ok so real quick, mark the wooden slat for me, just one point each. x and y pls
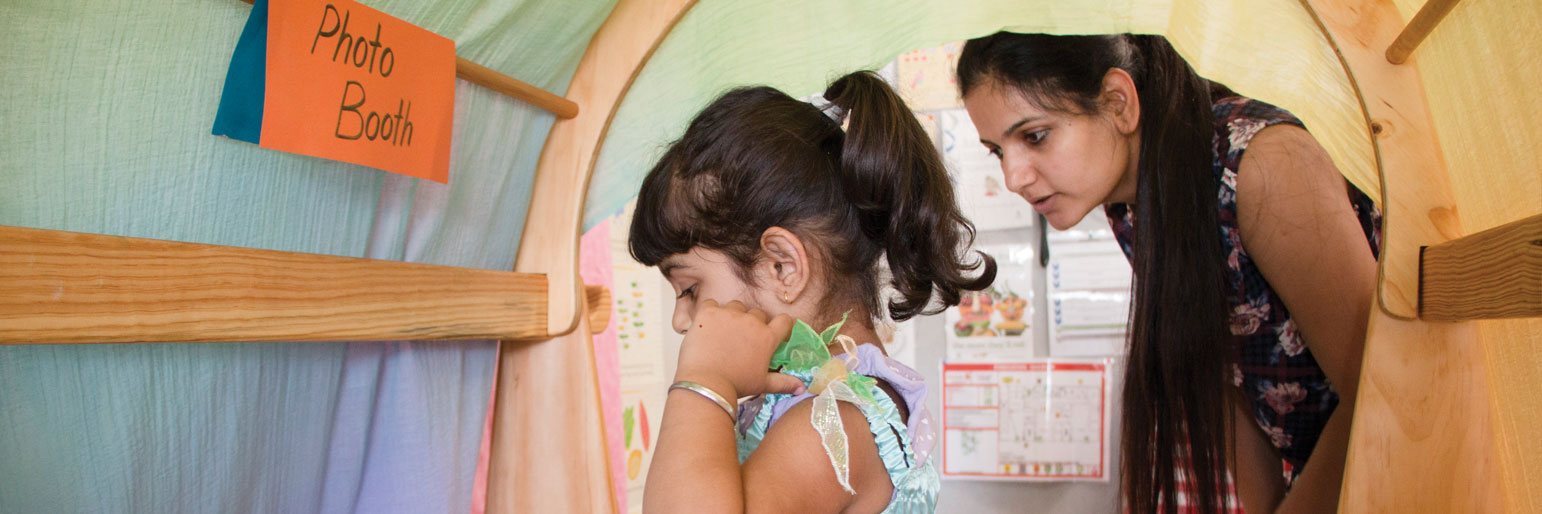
(510, 86)
(1496, 273)
(1423, 435)
(598, 307)
(1418, 28)
(548, 449)
(68, 287)
(612, 61)
(549, 452)
(1418, 209)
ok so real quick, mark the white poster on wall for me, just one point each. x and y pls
(981, 190)
(996, 324)
(899, 341)
(1089, 295)
(1031, 420)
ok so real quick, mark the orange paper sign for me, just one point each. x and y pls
(350, 83)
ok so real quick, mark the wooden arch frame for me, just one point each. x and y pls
(528, 472)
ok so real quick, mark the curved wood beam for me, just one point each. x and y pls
(548, 444)
(1423, 431)
(1416, 199)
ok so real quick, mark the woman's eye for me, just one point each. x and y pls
(995, 152)
(1036, 136)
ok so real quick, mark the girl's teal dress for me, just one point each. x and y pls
(906, 448)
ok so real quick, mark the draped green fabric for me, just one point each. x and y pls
(106, 108)
(1269, 49)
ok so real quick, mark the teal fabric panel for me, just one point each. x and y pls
(107, 107)
(240, 112)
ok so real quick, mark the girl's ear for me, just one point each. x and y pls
(784, 266)
(1120, 100)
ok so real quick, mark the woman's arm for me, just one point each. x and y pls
(1298, 226)
(696, 468)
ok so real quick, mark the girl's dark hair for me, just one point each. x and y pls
(756, 158)
(1175, 405)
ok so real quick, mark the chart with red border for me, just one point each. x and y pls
(1029, 420)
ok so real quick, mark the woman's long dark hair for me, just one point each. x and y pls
(1175, 409)
(756, 158)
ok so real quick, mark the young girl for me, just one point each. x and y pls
(1254, 260)
(766, 211)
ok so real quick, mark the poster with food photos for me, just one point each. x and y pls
(996, 323)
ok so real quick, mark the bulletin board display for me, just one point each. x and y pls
(1037, 420)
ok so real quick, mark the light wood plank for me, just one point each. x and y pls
(1496, 273)
(548, 447)
(1417, 203)
(598, 307)
(548, 451)
(1423, 436)
(69, 287)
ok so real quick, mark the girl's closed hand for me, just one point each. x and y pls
(729, 350)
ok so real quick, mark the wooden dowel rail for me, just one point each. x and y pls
(69, 287)
(520, 90)
(1418, 28)
(512, 87)
(1496, 273)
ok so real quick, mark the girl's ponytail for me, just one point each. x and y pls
(902, 198)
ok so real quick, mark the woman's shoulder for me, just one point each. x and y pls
(1236, 108)
(1238, 119)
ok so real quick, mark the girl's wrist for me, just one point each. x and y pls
(712, 381)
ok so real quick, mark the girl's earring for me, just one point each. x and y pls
(784, 297)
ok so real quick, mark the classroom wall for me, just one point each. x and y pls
(976, 496)
(960, 496)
